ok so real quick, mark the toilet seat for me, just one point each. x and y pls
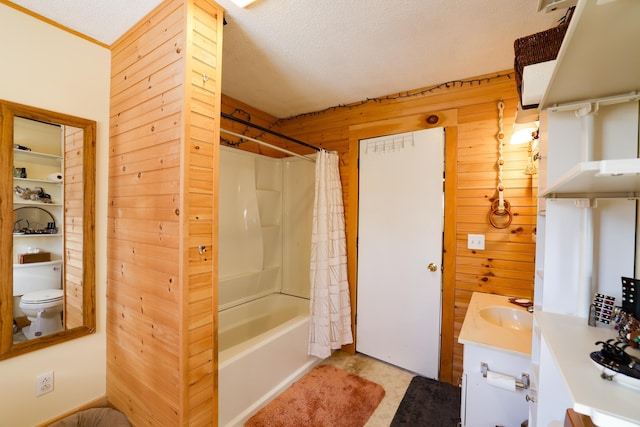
(46, 298)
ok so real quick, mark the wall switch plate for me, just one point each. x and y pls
(44, 383)
(475, 241)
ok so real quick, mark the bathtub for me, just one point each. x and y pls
(262, 348)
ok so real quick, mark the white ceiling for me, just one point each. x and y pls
(288, 57)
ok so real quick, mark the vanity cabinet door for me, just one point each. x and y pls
(486, 405)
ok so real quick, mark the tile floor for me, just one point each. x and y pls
(394, 380)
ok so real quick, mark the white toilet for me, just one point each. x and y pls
(40, 285)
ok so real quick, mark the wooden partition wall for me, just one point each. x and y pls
(162, 220)
(73, 227)
(470, 107)
(162, 260)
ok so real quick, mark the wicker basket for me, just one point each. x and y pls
(538, 47)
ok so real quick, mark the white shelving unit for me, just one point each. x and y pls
(598, 179)
(587, 224)
(42, 159)
(597, 57)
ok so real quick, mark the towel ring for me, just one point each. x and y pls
(500, 218)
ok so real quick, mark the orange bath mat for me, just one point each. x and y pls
(326, 396)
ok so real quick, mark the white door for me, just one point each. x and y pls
(400, 229)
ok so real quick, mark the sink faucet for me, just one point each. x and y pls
(522, 302)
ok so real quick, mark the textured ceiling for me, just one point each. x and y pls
(288, 57)
(102, 20)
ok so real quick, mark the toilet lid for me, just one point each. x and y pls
(44, 296)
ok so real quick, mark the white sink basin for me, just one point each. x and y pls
(508, 317)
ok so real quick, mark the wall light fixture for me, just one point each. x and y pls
(525, 131)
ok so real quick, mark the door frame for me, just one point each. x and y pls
(448, 119)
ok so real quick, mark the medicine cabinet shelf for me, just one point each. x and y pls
(19, 152)
(31, 236)
(599, 179)
(39, 204)
(37, 181)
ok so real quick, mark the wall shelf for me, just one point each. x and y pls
(19, 152)
(30, 203)
(37, 181)
(598, 179)
(36, 235)
(591, 153)
(551, 5)
(608, 31)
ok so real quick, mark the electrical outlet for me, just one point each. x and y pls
(44, 383)
(475, 241)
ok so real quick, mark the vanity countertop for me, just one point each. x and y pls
(570, 341)
(482, 327)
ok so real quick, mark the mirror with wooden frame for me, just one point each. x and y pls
(47, 217)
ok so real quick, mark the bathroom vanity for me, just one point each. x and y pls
(497, 346)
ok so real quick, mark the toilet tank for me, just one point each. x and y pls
(36, 276)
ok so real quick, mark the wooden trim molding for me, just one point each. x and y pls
(54, 23)
(449, 256)
(573, 419)
(101, 402)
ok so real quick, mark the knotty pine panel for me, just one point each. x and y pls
(478, 205)
(161, 284)
(139, 115)
(73, 227)
(205, 22)
(437, 99)
(136, 395)
(141, 229)
(163, 129)
(247, 113)
(162, 291)
(144, 39)
(475, 197)
(471, 167)
(488, 269)
(153, 86)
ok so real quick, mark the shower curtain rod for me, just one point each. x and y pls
(255, 126)
(291, 153)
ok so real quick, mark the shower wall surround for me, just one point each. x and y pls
(265, 216)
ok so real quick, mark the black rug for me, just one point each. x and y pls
(428, 403)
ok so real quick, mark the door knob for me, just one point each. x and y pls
(432, 267)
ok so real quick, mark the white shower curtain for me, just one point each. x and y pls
(330, 303)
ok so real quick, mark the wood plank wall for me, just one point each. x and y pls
(507, 265)
(248, 113)
(202, 153)
(161, 292)
(73, 227)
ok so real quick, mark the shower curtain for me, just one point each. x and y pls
(330, 326)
